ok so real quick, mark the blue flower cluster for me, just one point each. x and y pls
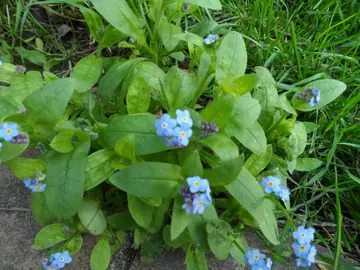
(303, 249)
(57, 261)
(175, 132)
(197, 195)
(211, 38)
(311, 95)
(257, 260)
(271, 184)
(33, 184)
(9, 132)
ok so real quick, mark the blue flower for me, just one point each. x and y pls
(38, 188)
(302, 262)
(304, 236)
(171, 141)
(283, 193)
(301, 250)
(188, 205)
(270, 184)
(183, 118)
(164, 125)
(254, 256)
(8, 131)
(260, 265)
(183, 133)
(196, 184)
(314, 101)
(28, 182)
(269, 263)
(61, 258)
(312, 253)
(210, 39)
(200, 203)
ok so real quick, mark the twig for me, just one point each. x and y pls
(17, 209)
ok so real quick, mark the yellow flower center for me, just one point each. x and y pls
(271, 184)
(37, 187)
(256, 256)
(201, 203)
(197, 183)
(302, 247)
(164, 125)
(8, 131)
(169, 138)
(190, 204)
(182, 134)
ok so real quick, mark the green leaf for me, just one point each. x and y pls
(219, 111)
(231, 58)
(25, 167)
(122, 221)
(249, 193)
(285, 104)
(87, 72)
(223, 146)
(212, 4)
(142, 126)
(74, 244)
(8, 107)
(329, 90)
(310, 127)
(226, 173)
(296, 143)
(267, 96)
(111, 36)
(46, 105)
(192, 165)
(149, 179)
(353, 177)
(125, 147)
(167, 32)
(120, 15)
(101, 255)
(25, 85)
(256, 163)
(39, 210)
(182, 240)
(152, 201)
(151, 248)
(307, 164)
(159, 216)
(180, 219)
(11, 150)
(219, 238)
(92, 217)
(63, 142)
(50, 236)
(236, 253)
(98, 167)
(94, 22)
(141, 212)
(241, 85)
(33, 56)
(179, 88)
(65, 181)
(191, 38)
(195, 259)
(253, 138)
(138, 96)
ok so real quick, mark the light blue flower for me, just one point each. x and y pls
(164, 125)
(183, 118)
(269, 263)
(171, 141)
(301, 250)
(304, 236)
(208, 194)
(312, 253)
(260, 265)
(302, 262)
(183, 133)
(254, 256)
(209, 39)
(283, 193)
(315, 99)
(270, 184)
(28, 182)
(8, 131)
(38, 188)
(1, 145)
(61, 258)
(200, 203)
(196, 184)
(188, 205)
(132, 39)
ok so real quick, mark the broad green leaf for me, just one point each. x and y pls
(142, 126)
(25, 85)
(285, 104)
(231, 58)
(212, 4)
(25, 167)
(222, 146)
(267, 96)
(256, 163)
(192, 165)
(11, 150)
(203, 28)
(92, 217)
(39, 210)
(74, 244)
(152, 201)
(296, 143)
(265, 76)
(141, 212)
(50, 236)
(33, 56)
(159, 216)
(94, 22)
(180, 219)
(307, 164)
(63, 142)
(219, 238)
(167, 32)
(151, 248)
(120, 15)
(7, 73)
(101, 255)
(226, 173)
(111, 36)
(125, 147)
(191, 38)
(219, 111)
(310, 127)
(241, 85)
(253, 138)
(329, 90)
(65, 181)
(236, 253)
(249, 193)
(122, 221)
(138, 96)
(149, 179)
(183, 240)
(98, 167)
(46, 105)
(87, 72)
(8, 107)
(140, 237)
(179, 88)
(195, 259)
